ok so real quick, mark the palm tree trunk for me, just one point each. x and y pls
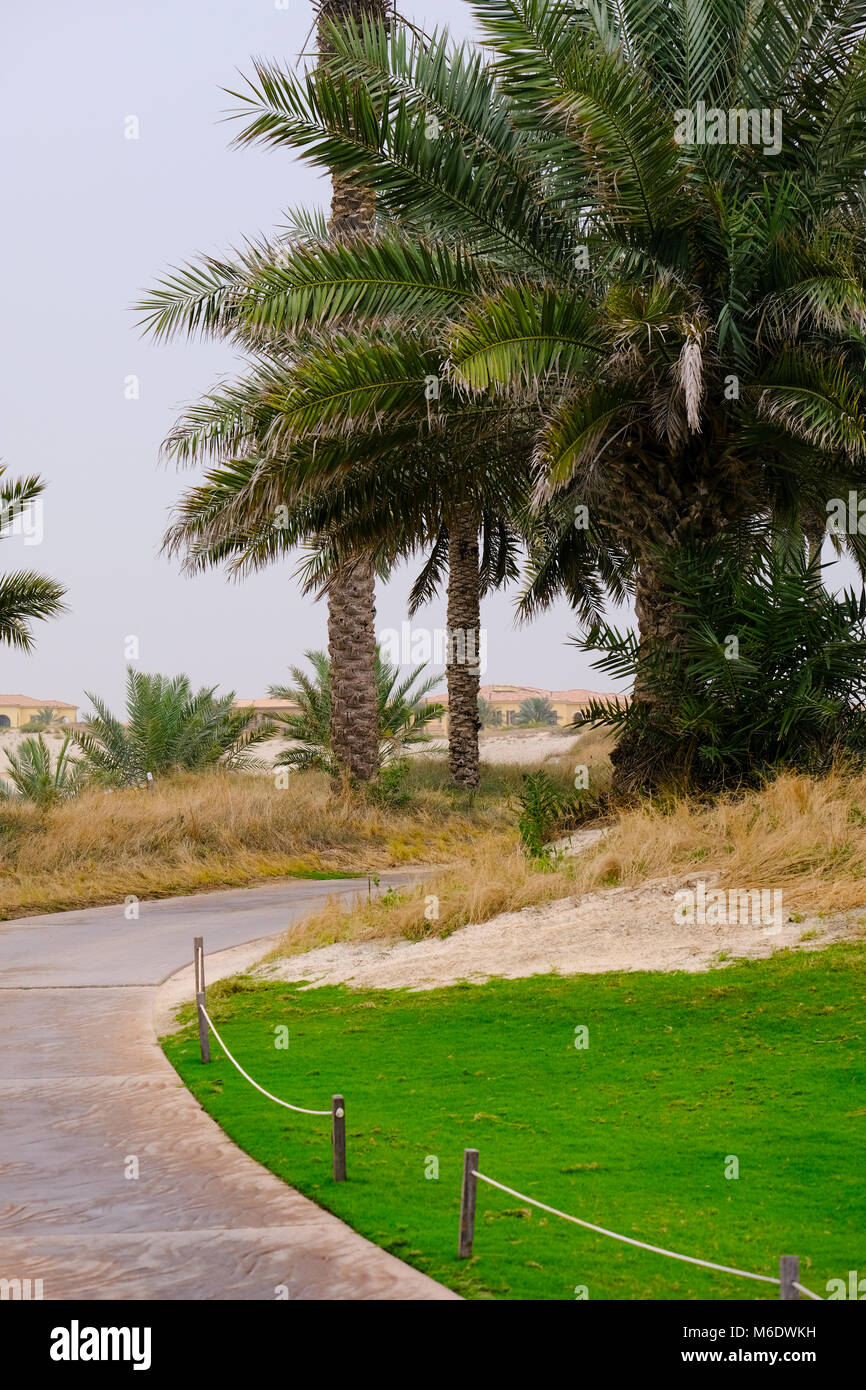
(641, 763)
(352, 649)
(464, 649)
(351, 595)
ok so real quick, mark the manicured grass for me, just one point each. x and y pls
(762, 1060)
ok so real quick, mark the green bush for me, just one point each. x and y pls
(404, 713)
(545, 809)
(169, 727)
(764, 669)
(392, 787)
(33, 777)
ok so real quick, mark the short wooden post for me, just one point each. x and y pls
(789, 1275)
(467, 1204)
(338, 1137)
(203, 1030)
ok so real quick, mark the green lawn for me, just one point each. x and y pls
(762, 1060)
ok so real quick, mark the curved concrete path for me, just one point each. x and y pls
(84, 1086)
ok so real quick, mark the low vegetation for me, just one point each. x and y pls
(169, 727)
(403, 710)
(631, 1132)
(36, 778)
(804, 835)
(217, 829)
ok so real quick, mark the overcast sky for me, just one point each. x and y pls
(91, 218)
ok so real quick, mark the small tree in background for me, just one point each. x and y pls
(34, 779)
(535, 710)
(169, 728)
(489, 714)
(404, 712)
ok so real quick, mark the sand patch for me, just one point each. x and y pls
(610, 930)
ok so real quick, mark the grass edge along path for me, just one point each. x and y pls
(685, 1079)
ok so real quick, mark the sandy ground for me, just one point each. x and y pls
(611, 930)
(10, 739)
(521, 747)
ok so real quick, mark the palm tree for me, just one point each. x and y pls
(535, 710)
(351, 588)
(33, 777)
(403, 712)
(489, 715)
(351, 594)
(698, 308)
(168, 728)
(792, 694)
(458, 492)
(25, 597)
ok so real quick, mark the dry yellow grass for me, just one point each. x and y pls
(218, 830)
(495, 877)
(804, 835)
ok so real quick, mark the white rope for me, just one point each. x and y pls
(656, 1249)
(276, 1099)
(808, 1292)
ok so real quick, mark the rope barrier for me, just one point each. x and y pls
(808, 1292)
(467, 1213)
(641, 1244)
(299, 1108)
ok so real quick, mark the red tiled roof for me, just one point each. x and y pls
(27, 702)
(516, 694)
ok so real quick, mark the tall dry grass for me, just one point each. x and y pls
(218, 829)
(804, 835)
(222, 830)
(494, 877)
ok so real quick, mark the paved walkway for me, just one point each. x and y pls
(84, 1086)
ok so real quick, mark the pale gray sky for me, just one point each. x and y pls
(90, 219)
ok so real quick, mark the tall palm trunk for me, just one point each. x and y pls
(638, 762)
(351, 595)
(683, 505)
(464, 649)
(352, 649)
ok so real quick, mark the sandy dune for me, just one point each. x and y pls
(611, 930)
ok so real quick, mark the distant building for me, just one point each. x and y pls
(509, 698)
(265, 709)
(18, 710)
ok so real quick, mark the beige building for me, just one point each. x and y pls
(508, 698)
(266, 708)
(18, 710)
(505, 698)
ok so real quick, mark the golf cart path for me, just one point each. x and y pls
(85, 1088)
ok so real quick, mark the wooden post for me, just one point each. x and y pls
(203, 1030)
(338, 1137)
(467, 1204)
(789, 1275)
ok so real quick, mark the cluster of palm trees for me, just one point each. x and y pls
(168, 728)
(536, 320)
